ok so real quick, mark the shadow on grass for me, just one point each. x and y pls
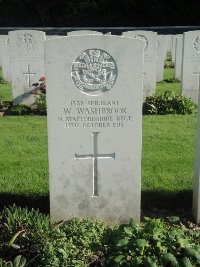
(161, 200)
(167, 200)
(162, 204)
(32, 201)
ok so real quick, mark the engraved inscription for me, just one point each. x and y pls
(95, 114)
(143, 38)
(95, 156)
(196, 43)
(94, 72)
(26, 42)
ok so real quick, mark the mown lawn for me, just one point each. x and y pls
(167, 158)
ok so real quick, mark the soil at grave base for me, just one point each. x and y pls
(184, 214)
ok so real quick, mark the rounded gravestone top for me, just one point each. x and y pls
(94, 72)
(143, 38)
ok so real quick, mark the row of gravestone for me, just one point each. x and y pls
(94, 103)
(22, 60)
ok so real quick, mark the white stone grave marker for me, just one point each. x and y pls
(191, 65)
(161, 55)
(196, 182)
(150, 54)
(94, 99)
(178, 57)
(6, 65)
(27, 63)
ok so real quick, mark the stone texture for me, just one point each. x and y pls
(191, 65)
(196, 182)
(2, 39)
(94, 99)
(150, 55)
(174, 37)
(6, 65)
(178, 57)
(161, 55)
(27, 63)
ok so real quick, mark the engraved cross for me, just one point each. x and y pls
(28, 73)
(95, 156)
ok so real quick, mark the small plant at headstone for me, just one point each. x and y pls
(169, 103)
(2, 81)
(28, 239)
(39, 92)
(19, 110)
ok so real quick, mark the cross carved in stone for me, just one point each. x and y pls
(95, 156)
(29, 73)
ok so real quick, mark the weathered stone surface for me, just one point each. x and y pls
(6, 67)
(94, 99)
(191, 65)
(27, 63)
(150, 55)
(178, 57)
(161, 55)
(196, 182)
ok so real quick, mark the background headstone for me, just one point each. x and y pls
(161, 55)
(27, 63)
(150, 54)
(178, 57)
(191, 65)
(2, 39)
(94, 102)
(5, 59)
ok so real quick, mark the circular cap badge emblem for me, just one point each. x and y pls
(94, 72)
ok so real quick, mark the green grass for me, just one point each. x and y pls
(23, 161)
(175, 87)
(167, 162)
(5, 90)
(167, 158)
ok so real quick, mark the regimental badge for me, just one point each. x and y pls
(26, 42)
(196, 43)
(94, 72)
(143, 38)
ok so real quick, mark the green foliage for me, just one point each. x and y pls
(169, 103)
(19, 110)
(28, 239)
(157, 243)
(39, 92)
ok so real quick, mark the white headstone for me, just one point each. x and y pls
(150, 53)
(2, 39)
(196, 182)
(191, 65)
(94, 126)
(168, 38)
(174, 37)
(161, 55)
(178, 57)
(83, 32)
(6, 67)
(27, 63)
